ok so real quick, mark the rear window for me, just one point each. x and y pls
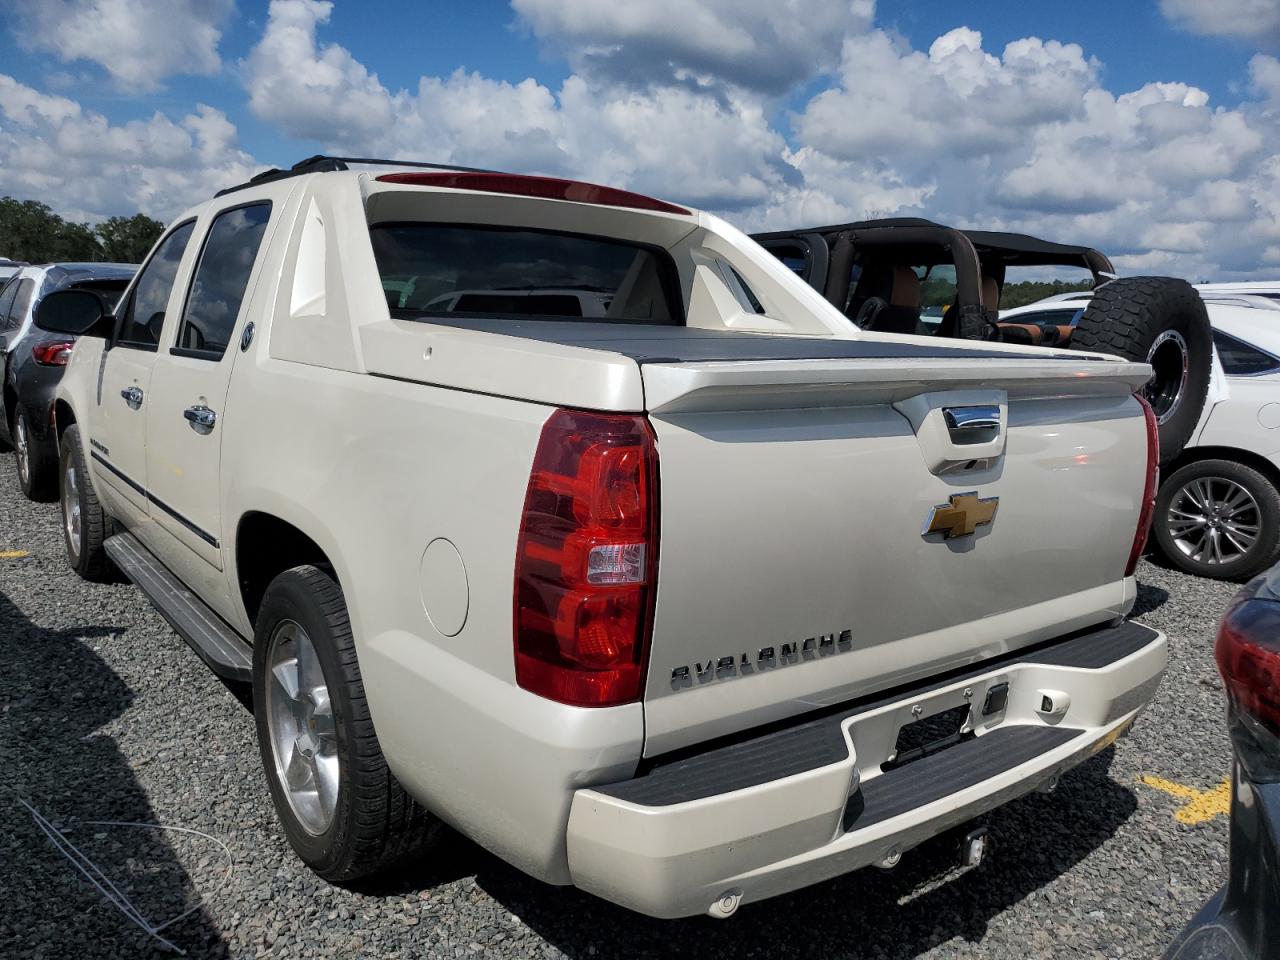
(431, 269)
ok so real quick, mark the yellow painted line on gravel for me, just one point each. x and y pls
(1201, 805)
(13, 554)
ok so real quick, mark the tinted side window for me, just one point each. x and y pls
(7, 293)
(1240, 359)
(144, 314)
(21, 304)
(221, 278)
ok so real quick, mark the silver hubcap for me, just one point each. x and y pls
(1214, 520)
(1170, 365)
(304, 741)
(71, 508)
(21, 445)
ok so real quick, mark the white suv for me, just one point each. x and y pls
(1218, 511)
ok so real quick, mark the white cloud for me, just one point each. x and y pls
(312, 91)
(1024, 138)
(138, 42)
(608, 131)
(87, 168)
(1256, 21)
(767, 45)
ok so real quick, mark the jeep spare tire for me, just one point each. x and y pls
(1161, 321)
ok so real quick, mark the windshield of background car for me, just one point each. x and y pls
(431, 269)
(1024, 285)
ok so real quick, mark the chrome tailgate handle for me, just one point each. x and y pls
(972, 418)
(976, 424)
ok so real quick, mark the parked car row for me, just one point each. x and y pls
(32, 360)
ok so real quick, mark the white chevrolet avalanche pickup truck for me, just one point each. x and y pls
(573, 519)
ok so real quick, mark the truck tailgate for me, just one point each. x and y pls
(796, 570)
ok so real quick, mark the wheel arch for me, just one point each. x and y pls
(1238, 455)
(10, 405)
(266, 545)
(63, 416)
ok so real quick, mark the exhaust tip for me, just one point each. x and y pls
(726, 905)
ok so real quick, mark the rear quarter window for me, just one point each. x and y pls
(431, 269)
(1240, 359)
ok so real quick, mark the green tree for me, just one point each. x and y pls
(31, 231)
(127, 239)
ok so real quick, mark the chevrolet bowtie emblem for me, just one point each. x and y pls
(962, 516)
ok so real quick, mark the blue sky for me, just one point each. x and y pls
(1147, 127)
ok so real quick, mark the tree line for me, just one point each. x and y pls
(30, 231)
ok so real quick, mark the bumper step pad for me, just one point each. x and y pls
(208, 635)
(942, 774)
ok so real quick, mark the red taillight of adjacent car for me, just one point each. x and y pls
(55, 353)
(587, 560)
(1248, 653)
(1149, 490)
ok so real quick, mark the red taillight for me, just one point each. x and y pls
(1248, 653)
(587, 560)
(1149, 491)
(55, 353)
(548, 188)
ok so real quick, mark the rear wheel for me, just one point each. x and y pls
(84, 525)
(1219, 519)
(1161, 321)
(342, 810)
(37, 461)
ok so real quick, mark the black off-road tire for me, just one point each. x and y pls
(376, 825)
(1128, 317)
(40, 482)
(86, 556)
(1266, 549)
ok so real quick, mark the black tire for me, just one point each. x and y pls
(1217, 476)
(38, 468)
(375, 825)
(85, 553)
(1131, 316)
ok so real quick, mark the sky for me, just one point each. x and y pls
(1149, 129)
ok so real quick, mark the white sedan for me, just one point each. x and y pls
(1218, 509)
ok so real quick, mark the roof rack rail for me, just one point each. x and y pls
(321, 163)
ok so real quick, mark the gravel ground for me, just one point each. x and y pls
(105, 715)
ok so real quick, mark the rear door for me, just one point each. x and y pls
(188, 388)
(118, 425)
(15, 303)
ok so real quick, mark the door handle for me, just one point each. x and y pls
(132, 396)
(200, 417)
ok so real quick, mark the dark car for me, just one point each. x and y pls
(31, 363)
(1242, 922)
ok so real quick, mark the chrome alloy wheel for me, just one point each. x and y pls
(71, 508)
(22, 445)
(1170, 361)
(304, 742)
(1214, 520)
